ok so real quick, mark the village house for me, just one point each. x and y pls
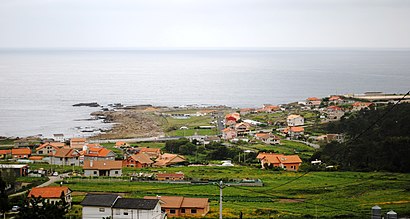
(205, 112)
(267, 108)
(18, 169)
(169, 159)
(210, 139)
(97, 153)
(52, 194)
(242, 128)
(294, 132)
(139, 160)
(357, 106)
(330, 137)
(228, 134)
(152, 153)
(267, 138)
(65, 157)
(295, 120)
(178, 206)
(5, 153)
(59, 137)
(77, 143)
(49, 147)
(121, 144)
(98, 205)
(287, 162)
(115, 207)
(313, 102)
(336, 100)
(18, 153)
(334, 113)
(170, 176)
(102, 168)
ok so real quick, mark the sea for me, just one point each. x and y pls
(39, 87)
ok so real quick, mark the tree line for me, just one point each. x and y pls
(383, 146)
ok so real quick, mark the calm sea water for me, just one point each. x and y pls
(39, 87)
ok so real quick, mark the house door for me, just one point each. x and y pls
(103, 173)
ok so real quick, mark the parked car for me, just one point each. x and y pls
(15, 208)
(55, 174)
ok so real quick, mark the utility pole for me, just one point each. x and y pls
(221, 186)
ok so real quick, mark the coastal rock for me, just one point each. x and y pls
(93, 104)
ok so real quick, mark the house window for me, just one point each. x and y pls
(116, 172)
(40, 152)
(61, 159)
(102, 209)
(125, 212)
(172, 211)
(193, 211)
(183, 210)
(95, 172)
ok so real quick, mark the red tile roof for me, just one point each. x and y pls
(55, 145)
(279, 158)
(313, 99)
(2, 152)
(102, 165)
(20, 151)
(97, 152)
(49, 191)
(78, 140)
(150, 150)
(36, 158)
(332, 98)
(334, 108)
(142, 158)
(66, 152)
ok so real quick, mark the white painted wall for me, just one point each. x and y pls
(94, 212)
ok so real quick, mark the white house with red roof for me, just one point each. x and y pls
(52, 194)
(228, 134)
(313, 102)
(295, 120)
(66, 157)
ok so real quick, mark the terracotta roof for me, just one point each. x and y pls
(66, 152)
(169, 159)
(102, 165)
(5, 151)
(271, 107)
(97, 152)
(194, 203)
(180, 202)
(247, 109)
(357, 104)
(297, 129)
(293, 116)
(36, 158)
(242, 124)
(24, 151)
(78, 140)
(150, 150)
(334, 108)
(279, 158)
(313, 99)
(332, 98)
(55, 145)
(120, 143)
(49, 191)
(142, 158)
(266, 136)
(228, 130)
(168, 201)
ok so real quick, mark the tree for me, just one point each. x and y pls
(4, 199)
(40, 208)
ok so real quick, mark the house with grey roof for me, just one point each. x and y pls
(116, 207)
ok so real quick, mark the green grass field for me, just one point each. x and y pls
(285, 194)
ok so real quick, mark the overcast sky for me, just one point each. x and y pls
(204, 23)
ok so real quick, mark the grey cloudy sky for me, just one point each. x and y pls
(204, 23)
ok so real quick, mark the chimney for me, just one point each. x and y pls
(158, 197)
